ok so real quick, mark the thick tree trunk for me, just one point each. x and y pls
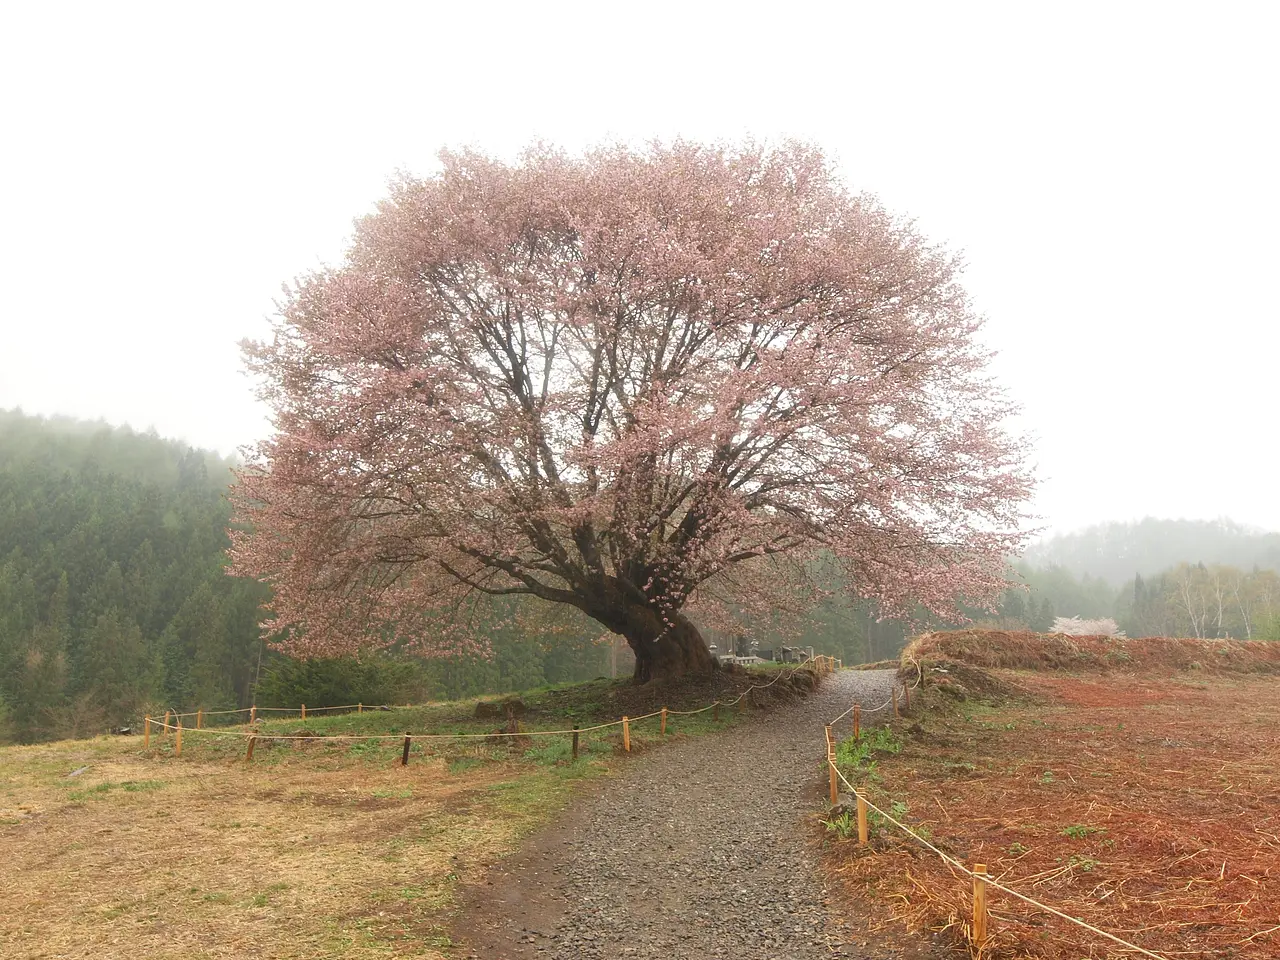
(663, 651)
(676, 652)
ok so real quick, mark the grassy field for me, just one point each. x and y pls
(315, 849)
(1144, 800)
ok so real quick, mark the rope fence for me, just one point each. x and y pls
(981, 881)
(172, 721)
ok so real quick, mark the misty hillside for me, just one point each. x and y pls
(114, 598)
(1116, 552)
(64, 444)
(112, 590)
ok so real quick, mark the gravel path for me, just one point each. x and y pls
(697, 850)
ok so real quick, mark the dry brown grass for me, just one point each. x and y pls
(1147, 804)
(1013, 650)
(305, 856)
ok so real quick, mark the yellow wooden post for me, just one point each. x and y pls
(831, 764)
(715, 711)
(146, 733)
(895, 701)
(200, 718)
(359, 708)
(626, 734)
(857, 720)
(979, 903)
(304, 711)
(166, 723)
(664, 721)
(862, 819)
(177, 744)
(249, 754)
(253, 714)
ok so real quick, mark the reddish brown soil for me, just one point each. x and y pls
(1146, 806)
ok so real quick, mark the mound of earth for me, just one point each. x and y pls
(1022, 650)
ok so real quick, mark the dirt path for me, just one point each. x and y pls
(697, 850)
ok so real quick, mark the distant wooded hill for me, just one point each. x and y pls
(114, 600)
(1117, 552)
(112, 592)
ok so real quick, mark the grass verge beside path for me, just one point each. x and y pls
(312, 850)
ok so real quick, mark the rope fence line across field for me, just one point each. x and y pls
(172, 721)
(978, 875)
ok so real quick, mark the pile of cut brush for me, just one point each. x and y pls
(1014, 650)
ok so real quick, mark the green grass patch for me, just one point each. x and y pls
(857, 754)
(1079, 831)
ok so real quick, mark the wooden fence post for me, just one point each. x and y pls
(664, 721)
(253, 714)
(177, 744)
(146, 733)
(626, 734)
(359, 708)
(862, 818)
(857, 720)
(895, 701)
(831, 764)
(575, 741)
(200, 719)
(249, 754)
(979, 903)
(404, 757)
(304, 711)
(165, 733)
(715, 712)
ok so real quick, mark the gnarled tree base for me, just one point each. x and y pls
(678, 651)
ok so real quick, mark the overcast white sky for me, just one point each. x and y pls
(1110, 172)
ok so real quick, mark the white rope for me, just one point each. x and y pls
(956, 864)
(451, 736)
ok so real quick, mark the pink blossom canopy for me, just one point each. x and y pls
(633, 382)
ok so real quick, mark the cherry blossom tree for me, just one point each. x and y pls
(653, 385)
(1081, 627)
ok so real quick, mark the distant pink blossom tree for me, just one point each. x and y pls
(1081, 627)
(646, 384)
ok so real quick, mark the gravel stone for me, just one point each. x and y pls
(695, 850)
